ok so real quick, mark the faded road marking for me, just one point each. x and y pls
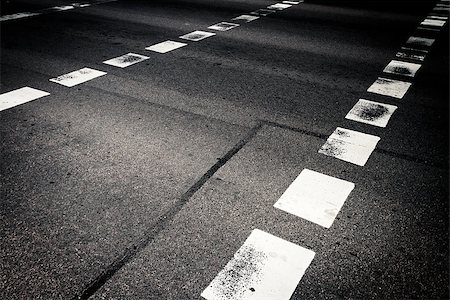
(265, 267)
(126, 60)
(420, 41)
(292, 2)
(412, 54)
(279, 6)
(197, 35)
(350, 146)
(77, 77)
(370, 112)
(246, 18)
(315, 197)
(262, 12)
(223, 26)
(402, 68)
(389, 87)
(20, 96)
(166, 46)
(432, 22)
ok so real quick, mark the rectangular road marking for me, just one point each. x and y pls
(20, 96)
(197, 35)
(166, 46)
(246, 18)
(389, 87)
(292, 2)
(279, 6)
(402, 68)
(77, 77)
(432, 22)
(18, 16)
(420, 41)
(350, 146)
(223, 26)
(265, 267)
(410, 54)
(315, 197)
(370, 112)
(437, 17)
(262, 12)
(126, 60)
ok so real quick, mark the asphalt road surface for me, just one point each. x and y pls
(173, 177)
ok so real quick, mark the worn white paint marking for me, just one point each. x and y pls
(389, 87)
(18, 16)
(223, 26)
(432, 22)
(197, 35)
(423, 51)
(315, 197)
(350, 146)
(370, 112)
(292, 2)
(262, 12)
(410, 54)
(77, 77)
(428, 29)
(246, 18)
(20, 96)
(444, 18)
(126, 60)
(166, 46)
(279, 6)
(266, 267)
(402, 68)
(420, 41)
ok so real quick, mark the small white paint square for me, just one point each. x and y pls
(20, 96)
(126, 60)
(77, 77)
(420, 41)
(370, 112)
(389, 87)
(166, 46)
(223, 26)
(265, 267)
(402, 68)
(279, 6)
(350, 146)
(246, 18)
(197, 35)
(262, 12)
(432, 22)
(315, 197)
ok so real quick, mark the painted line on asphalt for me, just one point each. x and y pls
(315, 197)
(279, 6)
(223, 26)
(262, 12)
(420, 41)
(411, 54)
(246, 18)
(264, 267)
(371, 112)
(389, 87)
(166, 46)
(402, 68)
(126, 60)
(20, 96)
(433, 22)
(292, 2)
(76, 77)
(350, 146)
(197, 35)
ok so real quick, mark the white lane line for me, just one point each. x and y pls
(77, 77)
(350, 146)
(20, 96)
(408, 53)
(223, 26)
(389, 87)
(428, 28)
(18, 16)
(166, 46)
(246, 18)
(420, 41)
(402, 68)
(266, 267)
(433, 22)
(126, 60)
(197, 35)
(279, 6)
(315, 197)
(444, 18)
(262, 12)
(370, 112)
(292, 2)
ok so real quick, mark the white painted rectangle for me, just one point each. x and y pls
(432, 22)
(402, 68)
(126, 60)
(350, 146)
(197, 35)
(77, 77)
(246, 18)
(370, 112)
(420, 41)
(315, 197)
(437, 17)
(389, 87)
(279, 6)
(262, 12)
(223, 26)
(20, 96)
(166, 46)
(266, 267)
(410, 55)
(292, 2)
(18, 16)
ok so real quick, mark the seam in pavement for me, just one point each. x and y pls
(164, 220)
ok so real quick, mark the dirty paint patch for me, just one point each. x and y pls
(20, 96)
(389, 87)
(350, 146)
(432, 22)
(420, 41)
(197, 35)
(265, 267)
(262, 12)
(412, 54)
(77, 77)
(223, 26)
(402, 68)
(370, 112)
(315, 197)
(279, 6)
(166, 46)
(18, 16)
(126, 60)
(292, 2)
(246, 18)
